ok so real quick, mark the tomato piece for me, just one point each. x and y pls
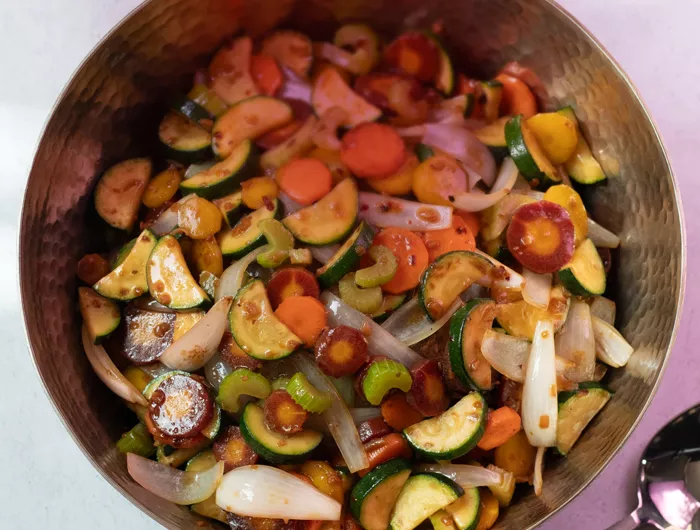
(340, 351)
(92, 268)
(373, 428)
(234, 355)
(383, 449)
(415, 54)
(180, 406)
(282, 414)
(231, 448)
(541, 237)
(291, 281)
(428, 394)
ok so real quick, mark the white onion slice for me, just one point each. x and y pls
(476, 202)
(196, 347)
(604, 308)
(537, 288)
(289, 204)
(410, 324)
(216, 370)
(383, 211)
(610, 346)
(379, 341)
(269, 492)
(345, 386)
(232, 278)
(156, 369)
(602, 237)
(108, 373)
(174, 485)
(167, 221)
(325, 253)
(464, 475)
(338, 418)
(510, 280)
(365, 413)
(294, 87)
(575, 342)
(539, 470)
(539, 409)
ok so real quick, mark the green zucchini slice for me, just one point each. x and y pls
(493, 92)
(255, 327)
(231, 207)
(100, 315)
(169, 280)
(421, 496)
(467, 328)
(584, 275)
(347, 256)
(129, 280)
(119, 191)
(423, 152)
(373, 497)
(246, 235)
(453, 433)
(462, 514)
(226, 176)
(272, 446)
(532, 163)
(493, 136)
(448, 276)
(582, 166)
(390, 303)
(184, 140)
(445, 78)
(576, 410)
(329, 220)
(192, 110)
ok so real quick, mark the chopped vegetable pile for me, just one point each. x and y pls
(355, 288)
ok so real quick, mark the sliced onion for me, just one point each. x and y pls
(346, 389)
(216, 370)
(539, 470)
(155, 369)
(383, 211)
(610, 346)
(510, 279)
(464, 475)
(537, 288)
(338, 418)
(167, 221)
(325, 133)
(289, 204)
(108, 373)
(269, 492)
(174, 485)
(604, 308)
(448, 111)
(365, 413)
(196, 347)
(325, 253)
(379, 340)
(410, 324)
(232, 278)
(521, 185)
(539, 408)
(358, 62)
(575, 342)
(602, 237)
(294, 87)
(475, 201)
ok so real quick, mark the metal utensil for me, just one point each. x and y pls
(669, 477)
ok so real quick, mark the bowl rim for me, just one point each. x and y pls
(563, 12)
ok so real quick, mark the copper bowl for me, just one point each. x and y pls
(110, 109)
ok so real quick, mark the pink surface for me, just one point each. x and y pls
(655, 41)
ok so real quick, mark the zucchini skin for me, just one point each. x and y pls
(458, 324)
(366, 484)
(347, 256)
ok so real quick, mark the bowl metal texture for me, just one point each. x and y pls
(110, 111)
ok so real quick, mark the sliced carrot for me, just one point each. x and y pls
(373, 151)
(501, 426)
(471, 219)
(384, 449)
(398, 413)
(411, 258)
(305, 316)
(517, 97)
(266, 74)
(457, 237)
(305, 180)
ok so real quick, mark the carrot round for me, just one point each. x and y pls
(517, 97)
(384, 449)
(457, 237)
(266, 74)
(398, 413)
(502, 424)
(305, 316)
(471, 219)
(373, 151)
(305, 180)
(411, 258)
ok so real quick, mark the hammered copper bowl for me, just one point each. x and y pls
(110, 111)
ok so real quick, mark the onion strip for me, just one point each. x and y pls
(464, 475)
(382, 211)
(232, 278)
(611, 347)
(537, 481)
(410, 324)
(216, 370)
(473, 201)
(510, 279)
(538, 288)
(294, 87)
(602, 237)
(575, 342)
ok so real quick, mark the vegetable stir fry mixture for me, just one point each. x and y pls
(355, 288)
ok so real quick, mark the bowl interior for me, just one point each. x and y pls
(110, 111)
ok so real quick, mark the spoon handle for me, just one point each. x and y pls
(630, 522)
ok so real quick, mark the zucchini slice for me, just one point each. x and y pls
(422, 495)
(128, 280)
(495, 220)
(247, 120)
(493, 136)
(453, 433)
(448, 276)
(493, 92)
(528, 155)
(584, 275)
(246, 234)
(462, 514)
(231, 207)
(423, 152)
(520, 318)
(192, 110)
(445, 78)
(272, 446)
(226, 176)
(169, 280)
(100, 315)
(119, 191)
(582, 166)
(373, 497)
(255, 327)
(208, 508)
(390, 303)
(576, 410)
(184, 140)
(467, 328)
(291, 49)
(347, 256)
(230, 71)
(207, 99)
(329, 220)
(330, 90)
